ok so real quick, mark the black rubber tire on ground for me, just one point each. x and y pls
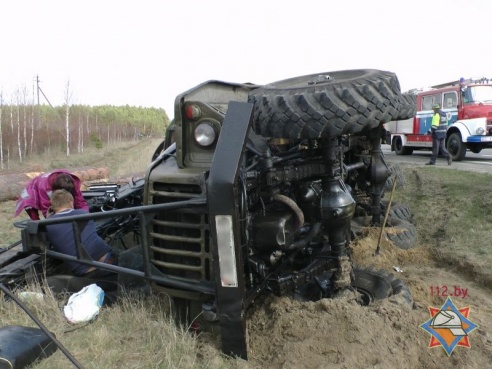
(456, 147)
(400, 291)
(395, 172)
(397, 211)
(326, 105)
(399, 148)
(401, 233)
(377, 285)
(373, 285)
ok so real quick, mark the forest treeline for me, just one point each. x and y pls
(31, 129)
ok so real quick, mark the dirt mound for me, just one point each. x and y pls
(340, 333)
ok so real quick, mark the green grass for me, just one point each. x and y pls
(452, 210)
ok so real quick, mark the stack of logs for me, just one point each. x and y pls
(12, 184)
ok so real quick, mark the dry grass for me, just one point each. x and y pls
(135, 333)
(8, 233)
(120, 158)
(452, 211)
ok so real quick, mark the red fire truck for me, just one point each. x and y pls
(468, 106)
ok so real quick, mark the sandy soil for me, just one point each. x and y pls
(340, 333)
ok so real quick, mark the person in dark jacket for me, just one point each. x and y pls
(62, 239)
(439, 126)
(36, 196)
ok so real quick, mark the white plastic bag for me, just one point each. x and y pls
(84, 305)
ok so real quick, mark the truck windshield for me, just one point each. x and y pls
(478, 94)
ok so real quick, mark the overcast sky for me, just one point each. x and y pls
(144, 53)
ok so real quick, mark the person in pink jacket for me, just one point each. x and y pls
(36, 196)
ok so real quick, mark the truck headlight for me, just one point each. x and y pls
(205, 133)
(480, 131)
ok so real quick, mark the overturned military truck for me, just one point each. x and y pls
(254, 191)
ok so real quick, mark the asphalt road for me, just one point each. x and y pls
(473, 162)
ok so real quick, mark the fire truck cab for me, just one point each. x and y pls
(468, 105)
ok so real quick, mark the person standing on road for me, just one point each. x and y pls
(439, 126)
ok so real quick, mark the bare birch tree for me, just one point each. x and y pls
(31, 143)
(24, 117)
(19, 146)
(80, 132)
(10, 148)
(68, 100)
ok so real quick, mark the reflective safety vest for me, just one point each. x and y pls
(439, 123)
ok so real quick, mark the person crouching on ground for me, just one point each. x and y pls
(35, 197)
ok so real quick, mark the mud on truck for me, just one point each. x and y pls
(256, 190)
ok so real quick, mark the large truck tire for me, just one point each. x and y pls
(326, 105)
(456, 147)
(401, 233)
(374, 285)
(397, 211)
(399, 148)
(395, 173)
(408, 106)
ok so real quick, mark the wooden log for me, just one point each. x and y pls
(12, 184)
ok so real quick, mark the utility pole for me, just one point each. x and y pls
(37, 87)
(38, 112)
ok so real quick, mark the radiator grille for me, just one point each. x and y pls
(180, 238)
